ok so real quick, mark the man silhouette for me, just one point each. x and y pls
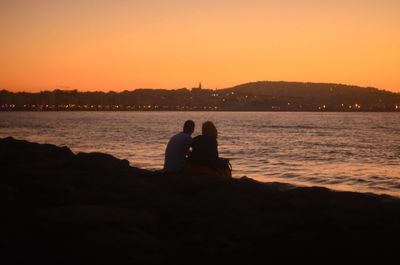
(178, 147)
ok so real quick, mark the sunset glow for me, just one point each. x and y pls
(118, 45)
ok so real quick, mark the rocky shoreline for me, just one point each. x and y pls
(92, 208)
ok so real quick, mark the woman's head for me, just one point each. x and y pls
(209, 129)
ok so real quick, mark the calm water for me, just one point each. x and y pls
(345, 151)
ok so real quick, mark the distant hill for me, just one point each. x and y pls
(300, 89)
(315, 95)
(255, 96)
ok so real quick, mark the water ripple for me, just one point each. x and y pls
(347, 151)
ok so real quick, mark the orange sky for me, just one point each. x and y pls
(117, 45)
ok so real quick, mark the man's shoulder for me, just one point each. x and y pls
(204, 139)
(198, 137)
(182, 136)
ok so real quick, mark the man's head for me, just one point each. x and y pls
(188, 127)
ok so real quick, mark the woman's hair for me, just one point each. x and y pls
(209, 129)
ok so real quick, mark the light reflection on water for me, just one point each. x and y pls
(348, 151)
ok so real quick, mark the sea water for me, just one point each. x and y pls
(343, 151)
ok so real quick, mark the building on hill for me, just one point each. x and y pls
(197, 89)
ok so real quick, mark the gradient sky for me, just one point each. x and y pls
(121, 44)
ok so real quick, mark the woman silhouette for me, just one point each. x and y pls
(204, 157)
(205, 146)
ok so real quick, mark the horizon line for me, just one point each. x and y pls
(67, 88)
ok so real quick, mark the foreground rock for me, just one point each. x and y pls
(62, 208)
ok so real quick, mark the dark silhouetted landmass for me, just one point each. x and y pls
(91, 208)
(256, 96)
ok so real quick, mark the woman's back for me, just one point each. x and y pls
(204, 150)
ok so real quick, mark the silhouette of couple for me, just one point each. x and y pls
(198, 155)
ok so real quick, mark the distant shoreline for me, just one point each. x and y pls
(233, 110)
(254, 96)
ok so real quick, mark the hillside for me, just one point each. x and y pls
(311, 96)
(261, 96)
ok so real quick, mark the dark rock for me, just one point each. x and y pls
(99, 161)
(62, 208)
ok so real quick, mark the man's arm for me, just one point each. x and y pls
(189, 147)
